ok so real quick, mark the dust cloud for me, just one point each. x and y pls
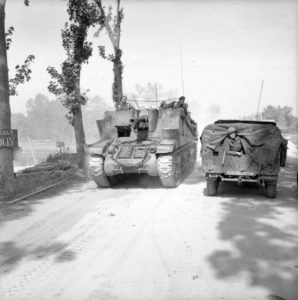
(204, 114)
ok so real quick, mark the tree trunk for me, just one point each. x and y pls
(6, 155)
(79, 127)
(117, 85)
(79, 136)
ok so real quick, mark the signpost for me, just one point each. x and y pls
(60, 145)
(9, 138)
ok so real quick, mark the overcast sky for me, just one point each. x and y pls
(228, 48)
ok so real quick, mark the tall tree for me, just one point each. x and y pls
(82, 15)
(113, 28)
(6, 155)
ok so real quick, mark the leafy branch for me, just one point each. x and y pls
(113, 29)
(23, 74)
(66, 83)
(112, 24)
(8, 36)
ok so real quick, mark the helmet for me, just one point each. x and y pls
(231, 130)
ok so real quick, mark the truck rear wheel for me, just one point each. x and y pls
(212, 185)
(96, 170)
(271, 189)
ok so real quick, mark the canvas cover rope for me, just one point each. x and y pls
(261, 141)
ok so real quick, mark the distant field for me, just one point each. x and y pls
(37, 151)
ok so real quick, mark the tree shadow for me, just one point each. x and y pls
(11, 254)
(144, 181)
(263, 234)
(245, 190)
(23, 208)
(138, 181)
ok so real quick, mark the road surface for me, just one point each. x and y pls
(140, 241)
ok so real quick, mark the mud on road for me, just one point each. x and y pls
(140, 241)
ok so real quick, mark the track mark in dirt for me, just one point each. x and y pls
(41, 275)
(46, 271)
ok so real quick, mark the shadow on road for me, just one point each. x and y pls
(25, 207)
(21, 209)
(11, 254)
(264, 235)
(138, 181)
(143, 181)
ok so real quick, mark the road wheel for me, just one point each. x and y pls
(212, 185)
(96, 170)
(271, 189)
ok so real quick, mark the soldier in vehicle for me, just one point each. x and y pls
(124, 105)
(176, 104)
(232, 144)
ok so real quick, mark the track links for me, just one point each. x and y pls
(166, 168)
(170, 172)
(96, 170)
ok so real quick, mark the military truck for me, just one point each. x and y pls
(264, 151)
(158, 142)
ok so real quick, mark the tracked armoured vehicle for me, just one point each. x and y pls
(263, 152)
(158, 142)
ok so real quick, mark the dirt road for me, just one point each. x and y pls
(139, 241)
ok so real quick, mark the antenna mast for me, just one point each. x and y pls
(181, 69)
(260, 99)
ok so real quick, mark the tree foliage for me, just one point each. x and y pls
(83, 14)
(283, 115)
(8, 36)
(45, 119)
(277, 113)
(20, 122)
(23, 74)
(112, 24)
